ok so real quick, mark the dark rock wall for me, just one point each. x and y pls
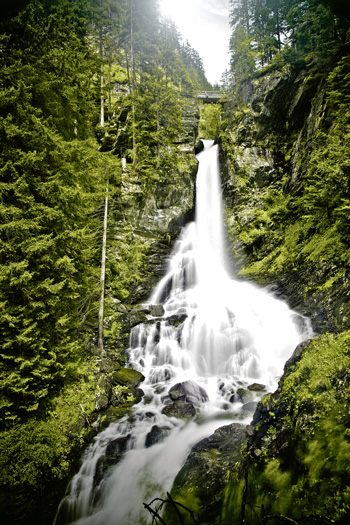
(273, 125)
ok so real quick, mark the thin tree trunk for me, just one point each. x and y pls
(102, 279)
(109, 88)
(102, 115)
(128, 70)
(132, 81)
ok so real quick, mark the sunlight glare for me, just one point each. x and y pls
(177, 9)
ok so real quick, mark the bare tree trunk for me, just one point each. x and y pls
(102, 279)
(102, 115)
(132, 82)
(109, 88)
(128, 70)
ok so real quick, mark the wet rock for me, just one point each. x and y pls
(199, 146)
(156, 310)
(138, 394)
(250, 407)
(204, 474)
(256, 387)
(188, 391)
(166, 400)
(156, 435)
(126, 377)
(116, 448)
(114, 453)
(138, 316)
(295, 357)
(244, 395)
(180, 409)
(176, 320)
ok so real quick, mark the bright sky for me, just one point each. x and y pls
(205, 24)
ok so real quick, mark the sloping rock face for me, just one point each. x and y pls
(268, 159)
(294, 466)
(200, 484)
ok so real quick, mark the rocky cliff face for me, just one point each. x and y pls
(269, 156)
(143, 224)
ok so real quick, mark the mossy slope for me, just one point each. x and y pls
(296, 463)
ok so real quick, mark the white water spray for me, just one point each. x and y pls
(217, 336)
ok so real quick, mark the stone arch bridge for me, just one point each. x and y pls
(209, 97)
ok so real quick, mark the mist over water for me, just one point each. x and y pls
(217, 335)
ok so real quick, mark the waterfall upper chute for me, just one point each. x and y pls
(231, 327)
(216, 337)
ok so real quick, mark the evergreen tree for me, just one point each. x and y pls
(243, 55)
(194, 66)
(306, 31)
(46, 195)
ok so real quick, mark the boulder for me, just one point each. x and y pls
(138, 316)
(126, 377)
(244, 395)
(114, 453)
(188, 391)
(250, 407)
(203, 478)
(296, 356)
(176, 320)
(180, 409)
(256, 387)
(156, 435)
(156, 310)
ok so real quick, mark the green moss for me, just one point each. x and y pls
(298, 465)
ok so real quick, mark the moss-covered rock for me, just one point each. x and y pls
(296, 460)
(126, 377)
(200, 484)
(181, 409)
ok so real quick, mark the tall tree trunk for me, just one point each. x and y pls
(109, 88)
(102, 279)
(132, 81)
(102, 114)
(128, 70)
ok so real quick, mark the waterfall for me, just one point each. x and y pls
(218, 336)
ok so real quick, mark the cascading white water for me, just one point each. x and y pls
(216, 337)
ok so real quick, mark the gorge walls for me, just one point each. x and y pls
(286, 184)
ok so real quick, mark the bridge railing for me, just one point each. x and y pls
(209, 93)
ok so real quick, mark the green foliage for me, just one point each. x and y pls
(242, 53)
(127, 265)
(210, 121)
(52, 181)
(194, 66)
(284, 31)
(47, 196)
(36, 456)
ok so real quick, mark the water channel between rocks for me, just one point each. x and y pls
(217, 345)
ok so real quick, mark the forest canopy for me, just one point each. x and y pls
(70, 73)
